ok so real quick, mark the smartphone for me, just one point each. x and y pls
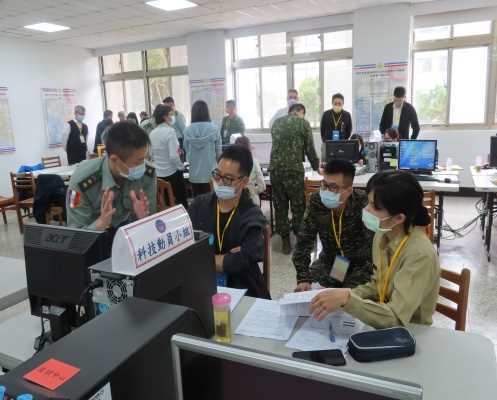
(328, 357)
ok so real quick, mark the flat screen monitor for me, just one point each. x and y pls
(208, 370)
(493, 152)
(346, 150)
(418, 155)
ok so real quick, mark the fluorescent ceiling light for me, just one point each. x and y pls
(171, 5)
(47, 27)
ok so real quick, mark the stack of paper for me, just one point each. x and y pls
(298, 304)
(236, 295)
(315, 335)
(265, 320)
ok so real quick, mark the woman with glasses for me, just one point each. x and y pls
(404, 288)
(235, 222)
(335, 215)
(202, 144)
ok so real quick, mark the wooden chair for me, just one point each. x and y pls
(310, 187)
(6, 203)
(51, 162)
(25, 183)
(100, 150)
(162, 188)
(429, 199)
(266, 262)
(459, 297)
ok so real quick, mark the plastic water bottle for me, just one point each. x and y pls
(222, 317)
(2, 392)
(25, 397)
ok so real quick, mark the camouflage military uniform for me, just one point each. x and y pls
(88, 182)
(148, 125)
(356, 243)
(292, 141)
(230, 126)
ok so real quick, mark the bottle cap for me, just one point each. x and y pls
(25, 397)
(221, 299)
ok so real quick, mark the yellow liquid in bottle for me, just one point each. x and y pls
(222, 323)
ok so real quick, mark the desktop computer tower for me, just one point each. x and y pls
(372, 154)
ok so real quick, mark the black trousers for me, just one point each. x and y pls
(200, 188)
(178, 184)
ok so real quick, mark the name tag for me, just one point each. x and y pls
(335, 135)
(82, 138)
(340, 268)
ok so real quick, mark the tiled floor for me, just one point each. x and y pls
(455, 254)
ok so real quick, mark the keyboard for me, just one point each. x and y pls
(426, 178)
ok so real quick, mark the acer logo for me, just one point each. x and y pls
(56, 238)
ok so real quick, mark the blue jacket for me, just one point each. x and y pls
(202, 144)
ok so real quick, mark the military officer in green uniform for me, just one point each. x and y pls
(106, 193)
(292, 141)
(232, 123)
(335, 215)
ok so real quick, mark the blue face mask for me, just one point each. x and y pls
(330, 199)
(224, 192)
(80, 118)
(135, 173)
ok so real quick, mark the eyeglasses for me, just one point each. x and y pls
(226, 180)
(332, 187)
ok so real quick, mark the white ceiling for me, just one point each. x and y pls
(104, 23)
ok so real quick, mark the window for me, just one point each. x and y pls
(248, 95)
(132, 85)
(264, 67)
(468, 89)
(451, 77)
(306, 78)
(430, 86)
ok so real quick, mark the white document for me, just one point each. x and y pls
(298, 304)
(316, 335)
(265, 320)
(236, 295)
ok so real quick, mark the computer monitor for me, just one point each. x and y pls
(346, 150)
(493, 152)
(207, 370)
(57, 260)
(418, 155)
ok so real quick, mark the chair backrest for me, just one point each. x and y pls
(429, 199)
(459, 297)
(51, 162)
(266, 262)
(310, 187)
(100, 150)
(22, 183)
(162, 188)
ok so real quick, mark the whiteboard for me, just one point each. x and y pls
(212, 92)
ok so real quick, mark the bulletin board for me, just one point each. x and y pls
(58, 108)
(212, 92)
(6, 132)
(373, 87)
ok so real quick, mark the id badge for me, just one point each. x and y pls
(336, 135)
(340, 268)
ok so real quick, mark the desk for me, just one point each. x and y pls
(65, 172)
(483, 181)
(447, 364)
(361, 181)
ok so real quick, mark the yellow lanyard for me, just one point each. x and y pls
(336, 121)
(382, 291)
(220, 238)
(338, 238)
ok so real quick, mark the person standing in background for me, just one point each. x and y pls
(256, 184)
(143, 116)
(132, 118)
(166, 151)
(122, 116)
(232, 123)
(292, 98)
(75, 136)
(336, 124)
(101, 127)
(148, 125)
(178, 122)
(400, 115)
(202, 144)
(292, 141)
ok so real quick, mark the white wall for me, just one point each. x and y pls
(25, 68)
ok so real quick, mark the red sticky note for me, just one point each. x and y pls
(51, 374)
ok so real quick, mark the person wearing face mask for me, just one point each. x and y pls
(292, 140)
(404, 287)
(178, 122)
(166, 153)
(334, 215)
(336, 124)
(292, 98)
(235, 222)
(75, 136)
(106, 193)
(232, 123)
(400, 115)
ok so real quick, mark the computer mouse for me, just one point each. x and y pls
(448, 180)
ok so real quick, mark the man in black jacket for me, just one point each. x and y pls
(235, 223)
(400, 115)
(101, 127)
(336, 124)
